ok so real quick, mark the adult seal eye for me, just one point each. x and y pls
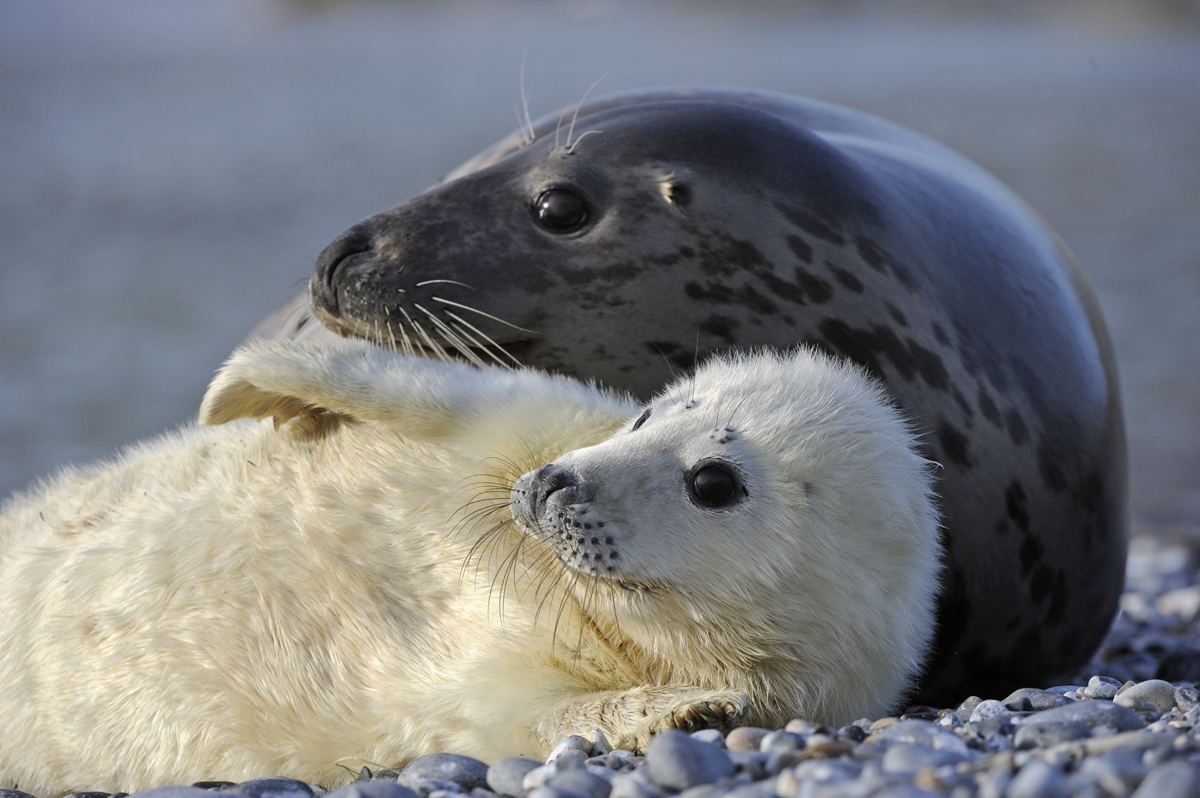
(714, 485)
(559, 210)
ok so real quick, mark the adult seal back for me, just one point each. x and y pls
(645, 230)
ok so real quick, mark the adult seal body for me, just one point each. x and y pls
(671, 224)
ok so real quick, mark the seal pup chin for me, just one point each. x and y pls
(419, 556)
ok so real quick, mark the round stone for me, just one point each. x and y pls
(745, 738)
(1101, 687)
(1042, 735)
(710, 736)
(505, 776)
(920, 732)
(781, 741)
(372, 789)
(272, 788)
(988, 709)
(180, 792)
(909, 758)
(676, 761)
(466, 772)
(635, 784)
(1156, 692)
(1038, 780)
(582, 781)
(1176, 778)
(569, 744)
(1102, 717)
(1187, 698)
(1030, 699)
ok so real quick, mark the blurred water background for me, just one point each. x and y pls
(169, 170)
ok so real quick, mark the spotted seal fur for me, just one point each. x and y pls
(675, 223)
(758, 543)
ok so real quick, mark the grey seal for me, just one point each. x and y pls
(670, 224)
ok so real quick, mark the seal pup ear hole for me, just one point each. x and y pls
(560, 210)
(715, 485)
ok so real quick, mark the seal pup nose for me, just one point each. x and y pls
(533, 491)
(551, 479)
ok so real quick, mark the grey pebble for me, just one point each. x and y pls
(676, 761)
(988, 709)
(782, 741)
(921, 732)
(710, 736)
(568, 745)
(967, 707)
(1101, 687)
(1156, 692)
(909, 758)
(1117, 772)
(555, 792)
(178, 792)
(467, 772)
(373, 789)
(1039, 780)
(1030, 699)
(272, 788)
(1043, 735)
(1102, 717)
(635, 784)
(505, 776)
(427, 787)
(1187, 698)
(751, 763)
(1174, 779)
(582, 781)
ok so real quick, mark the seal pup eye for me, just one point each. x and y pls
(560, 210)
(641, 420)
(714, 485)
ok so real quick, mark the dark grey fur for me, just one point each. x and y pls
(723, 218)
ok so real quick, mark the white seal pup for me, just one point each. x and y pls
(758, 543)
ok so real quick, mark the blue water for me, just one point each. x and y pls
(170, 170)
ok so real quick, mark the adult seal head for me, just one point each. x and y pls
(666, 225)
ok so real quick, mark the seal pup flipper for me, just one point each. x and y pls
(629, 718)
(419, 397)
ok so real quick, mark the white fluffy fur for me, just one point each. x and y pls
(250, 600)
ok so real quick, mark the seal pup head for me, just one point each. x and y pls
(765, 525)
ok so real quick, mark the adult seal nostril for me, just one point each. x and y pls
(323, 288)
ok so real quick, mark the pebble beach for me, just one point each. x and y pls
(1127, 725)
(170, 171)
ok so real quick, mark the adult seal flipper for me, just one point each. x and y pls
(675, 223)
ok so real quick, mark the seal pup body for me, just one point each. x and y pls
(248, 600)
(671, 222)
